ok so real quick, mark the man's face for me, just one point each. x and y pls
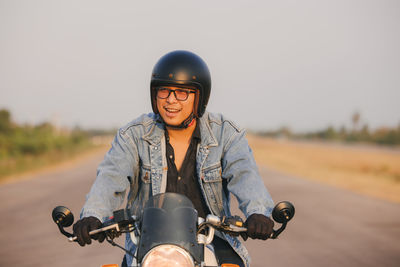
(174, 111)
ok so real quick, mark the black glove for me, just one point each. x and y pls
(259, 226)
(84, 226)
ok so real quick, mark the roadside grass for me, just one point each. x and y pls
(24, 163)
(373, 172)
(370, 171)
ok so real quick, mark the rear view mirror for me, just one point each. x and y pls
(62, 216)
(283, 212)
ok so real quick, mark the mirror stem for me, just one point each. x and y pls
(63, 231)
(279, 231)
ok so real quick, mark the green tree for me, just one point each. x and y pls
(330, 133)
(5, 121)
(364, 134)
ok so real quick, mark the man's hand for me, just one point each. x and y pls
(84, 226)
(259, 226)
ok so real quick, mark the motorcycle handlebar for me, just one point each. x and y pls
(103, 229)
(122, 219)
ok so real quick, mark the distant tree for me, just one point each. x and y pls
(330, 133)
(384, 135)
(5, 121)
(364, 134)
(355, 118)
(342, 132)
(285, 132)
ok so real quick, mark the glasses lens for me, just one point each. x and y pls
(181, 94)
(163, 92)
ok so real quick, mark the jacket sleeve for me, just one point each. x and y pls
(244, 181)
(108, 191)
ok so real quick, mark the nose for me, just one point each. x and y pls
(171, 98)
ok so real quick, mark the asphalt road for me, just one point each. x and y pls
(331, 227)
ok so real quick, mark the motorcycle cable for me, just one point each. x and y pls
(111, 241)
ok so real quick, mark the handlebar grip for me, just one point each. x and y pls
(238, 229)
(103, 229)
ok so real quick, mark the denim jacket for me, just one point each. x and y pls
(225, 164)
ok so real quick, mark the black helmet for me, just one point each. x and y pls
(182, 68)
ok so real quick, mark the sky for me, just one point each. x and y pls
(302, 64)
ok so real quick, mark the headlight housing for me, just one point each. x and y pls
(167, 256)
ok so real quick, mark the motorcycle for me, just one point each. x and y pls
(169, 232)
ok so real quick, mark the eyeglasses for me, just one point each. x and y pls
(180, 94)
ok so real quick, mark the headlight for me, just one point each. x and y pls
(167, 256)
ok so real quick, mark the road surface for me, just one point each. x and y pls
(332, 227)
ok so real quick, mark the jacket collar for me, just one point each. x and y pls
(155, 131)
(207, 137)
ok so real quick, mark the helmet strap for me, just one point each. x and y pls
(185, 123)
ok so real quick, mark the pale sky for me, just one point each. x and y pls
(303, 64)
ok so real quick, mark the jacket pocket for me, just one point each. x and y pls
(212, 184)
(145, 174)
(143, 195)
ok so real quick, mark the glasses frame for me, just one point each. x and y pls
(188, 90)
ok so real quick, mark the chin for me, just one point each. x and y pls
(172, 122)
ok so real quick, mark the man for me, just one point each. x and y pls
(184, 149)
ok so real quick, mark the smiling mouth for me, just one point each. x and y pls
(172, 110)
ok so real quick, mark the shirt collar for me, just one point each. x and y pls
(195, 135)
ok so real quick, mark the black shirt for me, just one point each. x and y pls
(185, 181)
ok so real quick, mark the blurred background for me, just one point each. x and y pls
(305, 65)
(315, 83)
